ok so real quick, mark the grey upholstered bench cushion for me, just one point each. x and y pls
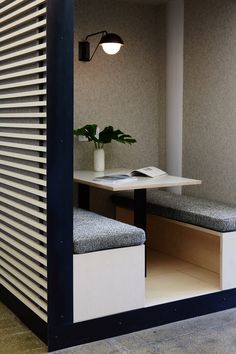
(197, 211)
(93, 232)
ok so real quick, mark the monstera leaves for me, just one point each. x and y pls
(89, 131)
(105, 136)
(108, 134)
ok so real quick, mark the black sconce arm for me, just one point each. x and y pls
(84, 47)
(95, 34)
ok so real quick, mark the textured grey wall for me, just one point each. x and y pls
(126, 90)
(209, 147)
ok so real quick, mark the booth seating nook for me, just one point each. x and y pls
(66, 295)
(197, 230)
(108, 266)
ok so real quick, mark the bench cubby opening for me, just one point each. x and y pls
(177, 251)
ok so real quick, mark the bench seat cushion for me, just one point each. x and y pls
(197, 211)
(93, 232)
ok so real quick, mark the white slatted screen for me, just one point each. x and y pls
(23, 228)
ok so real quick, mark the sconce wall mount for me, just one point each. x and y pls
(110, 42)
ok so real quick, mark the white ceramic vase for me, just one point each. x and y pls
(99, 160)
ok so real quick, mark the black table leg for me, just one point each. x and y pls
(83, 196)
(140, 196)
(140, 215)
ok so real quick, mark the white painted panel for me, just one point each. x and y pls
(228, 260)
(108, 282)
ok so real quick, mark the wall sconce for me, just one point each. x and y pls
(110, 42)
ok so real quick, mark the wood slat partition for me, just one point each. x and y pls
(24, 41)
(23, 167)
(25, 30)
(9, 6)
(23, 146)
(23, 94)
(23, 187)
(23, 83)
(23, 153)
(23, 73)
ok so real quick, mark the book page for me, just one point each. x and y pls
(150, 171)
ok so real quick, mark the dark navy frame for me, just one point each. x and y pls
(61, 332)
(60, 62)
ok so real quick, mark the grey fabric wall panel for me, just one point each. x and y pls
(209, 146)
(126, 90)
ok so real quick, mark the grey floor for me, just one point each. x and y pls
(211, 334)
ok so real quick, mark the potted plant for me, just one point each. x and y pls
(90, 131)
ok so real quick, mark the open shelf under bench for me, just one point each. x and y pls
(169, 279)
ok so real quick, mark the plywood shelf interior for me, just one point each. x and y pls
(170, 279)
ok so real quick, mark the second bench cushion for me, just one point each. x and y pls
(197, 211)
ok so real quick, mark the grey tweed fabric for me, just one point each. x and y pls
(93, 232)
(197, 211)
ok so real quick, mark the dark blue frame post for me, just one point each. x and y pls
(60, 27)
(62, 332)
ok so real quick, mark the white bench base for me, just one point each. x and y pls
(228, 260)
(206, 248)
(108, 282)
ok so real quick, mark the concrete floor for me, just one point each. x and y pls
(211, 334)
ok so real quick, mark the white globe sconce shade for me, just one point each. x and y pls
(111, 43)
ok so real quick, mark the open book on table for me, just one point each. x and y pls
(149, 171)
(131, 177)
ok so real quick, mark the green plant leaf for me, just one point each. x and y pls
(122, 138)
(105, 136)
(89, 131)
